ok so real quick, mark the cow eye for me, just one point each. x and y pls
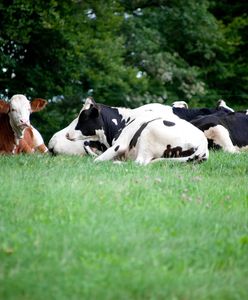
(12, 109)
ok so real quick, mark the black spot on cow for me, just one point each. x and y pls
(98, 145)
(168, 123)
(195, 158)
(212, 145)
(137, 134)
(177, 152)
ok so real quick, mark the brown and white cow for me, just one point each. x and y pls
(16, 133)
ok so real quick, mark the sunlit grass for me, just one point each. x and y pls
(73, 229)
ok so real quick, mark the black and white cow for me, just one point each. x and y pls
(180, 108)
(223, 127)
(228, 131)
(111, 120)
(144, 134)
(107, 120)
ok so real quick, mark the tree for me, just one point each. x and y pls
(127, 52)
(174, 44)
(232, 77)
(64, 51)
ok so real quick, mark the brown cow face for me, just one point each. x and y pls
(19, 109)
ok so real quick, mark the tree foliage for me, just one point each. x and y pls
(124, 52)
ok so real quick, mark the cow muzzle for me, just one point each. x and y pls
(74, 135)
(23, 125)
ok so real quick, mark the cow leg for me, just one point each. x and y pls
(119, 148)
(111, 153)
(24, 147)
(38, 142)
(42, 148)
(121, 145)
(220, 135)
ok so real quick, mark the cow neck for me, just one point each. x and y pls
(114, 120)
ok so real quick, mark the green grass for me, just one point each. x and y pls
(73, 229)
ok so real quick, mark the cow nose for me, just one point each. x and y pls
(24, 122)
(69, 137)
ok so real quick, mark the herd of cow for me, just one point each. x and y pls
(146, 134)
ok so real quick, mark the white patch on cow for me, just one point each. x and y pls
(19, 114)
(222, 103)
(60, 144)
(114, 121)
(156, 108)
(37, 139)
(220, 136)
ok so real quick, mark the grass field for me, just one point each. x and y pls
(72, 229)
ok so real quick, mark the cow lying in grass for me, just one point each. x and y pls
(151, 135)
(16, 133)
(223, 127)
(227, 131)
(60, 144)
(111, 121)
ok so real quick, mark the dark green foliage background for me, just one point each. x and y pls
(66, 50)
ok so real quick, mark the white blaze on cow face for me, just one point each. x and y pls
(15, 119)
(19, 110)
(19, 113)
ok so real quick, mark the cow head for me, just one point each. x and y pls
(19, 110)
(90, 123)
(180, 104)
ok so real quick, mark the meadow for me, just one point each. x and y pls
(74, 229)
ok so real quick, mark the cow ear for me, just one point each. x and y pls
(38, 104)
(4, 107)
(88, 102)
(94, 112)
